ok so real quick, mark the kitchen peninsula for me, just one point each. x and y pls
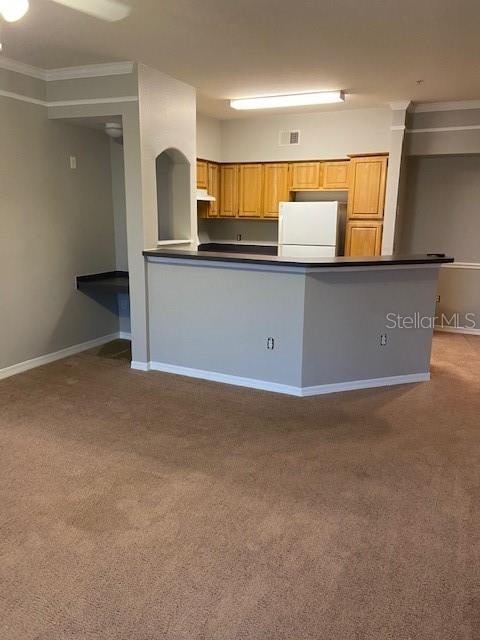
(301, 326)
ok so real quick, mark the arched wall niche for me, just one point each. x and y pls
(173, 195)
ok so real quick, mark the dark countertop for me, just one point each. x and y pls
(259, 258)
(109, 282)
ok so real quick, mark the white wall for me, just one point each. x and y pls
(324, 135)
(167, 121)
(209, 138)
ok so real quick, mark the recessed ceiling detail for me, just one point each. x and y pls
(271, 47)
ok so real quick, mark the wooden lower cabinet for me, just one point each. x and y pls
(202, 174)
(335, 175)
(250, 179)
(305, 176)
(228, 191)
(363, 238)
(275, 188)
(213, 189)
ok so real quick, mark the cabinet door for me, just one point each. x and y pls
(335, 175)
(275, 188)
(250, 190)
(367, 188)
(202, 178)
(305, 176)
(228, 191)
(213, 189)
(363, 238)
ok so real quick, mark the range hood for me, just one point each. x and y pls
(204, 196)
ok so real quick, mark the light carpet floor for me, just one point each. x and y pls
(144, 506)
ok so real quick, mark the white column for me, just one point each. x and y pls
(397, 134)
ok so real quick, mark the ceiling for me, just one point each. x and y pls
(376, 50)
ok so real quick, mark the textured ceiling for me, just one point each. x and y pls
(374, 49)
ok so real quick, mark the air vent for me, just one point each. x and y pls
(287, 138)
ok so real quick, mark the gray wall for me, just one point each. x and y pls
(345, 315)
(443, 132)
(441, 212)
(326, 326)
(120, 225)
(459, 292)
(442, 207)
(18, 83)
(55, 224)
(218, 320)
(119, 205)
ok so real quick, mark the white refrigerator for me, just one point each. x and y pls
(308, 229)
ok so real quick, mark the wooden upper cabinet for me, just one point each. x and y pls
(202, 174)
(250, 182)
(335, 175)
(228, 191)
(213, 189)
(305, 176)
(367, 187)
(275, 188)
(363, 238)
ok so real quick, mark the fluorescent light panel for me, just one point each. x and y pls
(292, 100)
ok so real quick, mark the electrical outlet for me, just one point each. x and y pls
(239, 237)
(73, 162)
(383, 339)
(270, 344)
(438, 299)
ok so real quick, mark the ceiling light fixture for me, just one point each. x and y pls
(114, 129)
(13, 10)
(292, 100)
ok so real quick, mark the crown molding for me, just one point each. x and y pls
(467, 127)
(18, 96)
(24, 69)
(66, 103)
(424, 107)
(77, 103)
(67, 73)
(90, 71)
(400, 106)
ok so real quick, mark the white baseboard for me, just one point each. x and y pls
(140, 366)
(214, 376)
(56, 355)
(124, 335)
(465, 330)
(371, 383)
(291, 390)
